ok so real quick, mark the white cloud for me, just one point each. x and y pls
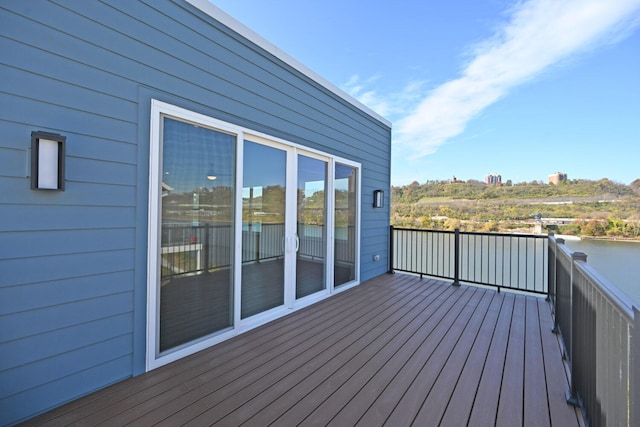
(397, 104)
(537, 35)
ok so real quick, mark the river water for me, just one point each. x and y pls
(617, 261)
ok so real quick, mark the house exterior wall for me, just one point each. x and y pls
(73, 264)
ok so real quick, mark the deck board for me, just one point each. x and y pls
(340, 408)
(511, 404)
(462, 399)
(534, 376)
(436, 403)
(429, 362)
(413, 355)
(485, 406)
(386, 364)
(555, 373)
(397, 350)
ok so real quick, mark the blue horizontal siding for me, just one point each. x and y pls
(44, 88)
(79, 145)
(40, 372)
(13, 163)
(21, 271)
(105, 149)
(30, 58)
(91, 170)
(25, 217)
(16, 299)
(41, 347)
(60, 242)
(38, 321)
(16, 192)
(20, 406)
(50, 116)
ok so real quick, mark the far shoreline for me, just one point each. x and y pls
(604, 239)
(611, 239)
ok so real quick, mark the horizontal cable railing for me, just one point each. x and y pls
(597, 324)
(511, 261)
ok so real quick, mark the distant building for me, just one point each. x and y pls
(493, 178)
(557, 178)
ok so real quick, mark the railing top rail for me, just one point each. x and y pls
(424, 230)
(619, 299)
(478, 233)
(562, 248)
(554, 237)
(622, 302)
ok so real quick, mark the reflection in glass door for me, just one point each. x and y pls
(345, 218)
(263, 228)
(196, 285)
(311, 230)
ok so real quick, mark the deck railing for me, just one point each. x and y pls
(511, 261)
(599, 325)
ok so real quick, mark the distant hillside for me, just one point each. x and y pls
(592, 208)
(476, 190)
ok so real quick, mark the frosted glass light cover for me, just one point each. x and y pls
(48, 164)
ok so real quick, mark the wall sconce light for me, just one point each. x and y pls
(378, 198)
(47, 161)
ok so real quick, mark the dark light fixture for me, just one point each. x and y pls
(378, 198)
(47, 161)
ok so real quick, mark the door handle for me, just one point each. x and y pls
(297, 243)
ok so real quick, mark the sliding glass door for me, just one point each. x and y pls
(196, 244)
(263, 228)
(243, 228)
(346, 220)
(311, 255)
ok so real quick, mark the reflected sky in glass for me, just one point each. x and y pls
(264, 166)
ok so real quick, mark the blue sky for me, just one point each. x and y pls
(518, 88)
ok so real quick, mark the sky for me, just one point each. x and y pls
(472, 87)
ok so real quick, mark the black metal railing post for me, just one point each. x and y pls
(206, 247)
(549, 272)
(257, 248)
(391, 244)
(456, 258)
(556, 327)
(572, 396)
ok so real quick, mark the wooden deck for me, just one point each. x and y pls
(394, 351)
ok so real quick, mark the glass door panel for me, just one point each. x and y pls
(345, 243)
(196, 284)
(311, 229)
(263, 228)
